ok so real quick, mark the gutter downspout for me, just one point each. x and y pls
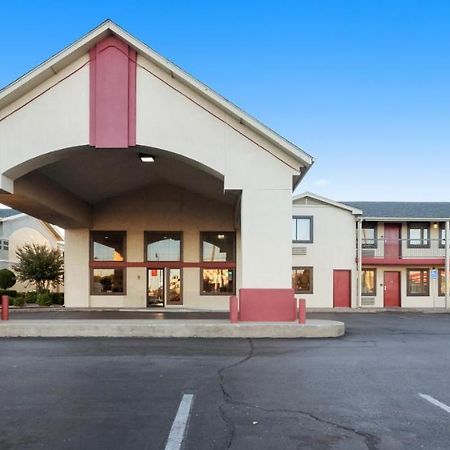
(359, 263)
(447, 263)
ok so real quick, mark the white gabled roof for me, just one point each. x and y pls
(328, 201)
(54, 64)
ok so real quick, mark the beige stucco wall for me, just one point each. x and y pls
(333, 247)
(57, 118)
(163, 208)
(173, 117)
(203, 133)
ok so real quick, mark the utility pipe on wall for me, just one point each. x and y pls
(359, 263)
(447, 263)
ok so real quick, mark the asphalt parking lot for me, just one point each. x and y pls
(356, 392)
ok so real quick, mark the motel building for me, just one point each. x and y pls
(370, 254)
(169, 194)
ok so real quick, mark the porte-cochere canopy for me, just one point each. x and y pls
(73, 136)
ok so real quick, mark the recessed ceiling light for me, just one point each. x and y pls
(146, 158)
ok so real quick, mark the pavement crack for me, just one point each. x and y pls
(371, 441)
(227, 397)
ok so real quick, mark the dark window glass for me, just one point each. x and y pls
(217, 281)
(369, 235)
(302, 229)
(418, 282)
(418, 234)
(369, 282)
(163, 246)
(218, 246)
(302, 280)
(108, 281)
(108, 245)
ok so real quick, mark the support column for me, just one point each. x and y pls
(447, 263)
(266, 246)
(76, 268)
(359, 263)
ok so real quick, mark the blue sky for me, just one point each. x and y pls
(363, 85)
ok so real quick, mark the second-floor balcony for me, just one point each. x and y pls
(429, 250)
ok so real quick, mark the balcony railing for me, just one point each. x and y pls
(403, 248)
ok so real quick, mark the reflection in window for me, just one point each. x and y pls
(107, 281)
(418, 235)
(163, 246)
(369, 235)
(418, 282)
(108, 245)
(217, 281)
(369, 280)
(218, 246)
(302, 280)
(302, 229)
(174, 294)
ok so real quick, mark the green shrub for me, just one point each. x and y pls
(19, 302)
(7, 279)
(57, 298)
(44, 299)
(30, 297)
(39, 265)
(10, 293)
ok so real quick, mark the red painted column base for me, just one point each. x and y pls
(5, 307)
(234, 309)
(267, 305)
(301, 310)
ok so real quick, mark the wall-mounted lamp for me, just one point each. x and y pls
(146, 158)
(435, 225)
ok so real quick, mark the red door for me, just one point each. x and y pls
(391, 289)
(342, 288)
(392, 234)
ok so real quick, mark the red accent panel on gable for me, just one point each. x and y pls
(112, 94)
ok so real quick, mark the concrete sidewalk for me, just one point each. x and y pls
(204, 328)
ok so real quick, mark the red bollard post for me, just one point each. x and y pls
(301, 310)
(234, 309)
(5, 307)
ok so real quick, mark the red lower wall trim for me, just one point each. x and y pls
(161, 264)
(403, 262)
(267, 305)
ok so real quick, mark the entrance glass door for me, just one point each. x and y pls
(164, 287)
(174, 287)
(155, 287)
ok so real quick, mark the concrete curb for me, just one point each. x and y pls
(170, 329)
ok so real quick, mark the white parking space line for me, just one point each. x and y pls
(178, 429)
(435, 402)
